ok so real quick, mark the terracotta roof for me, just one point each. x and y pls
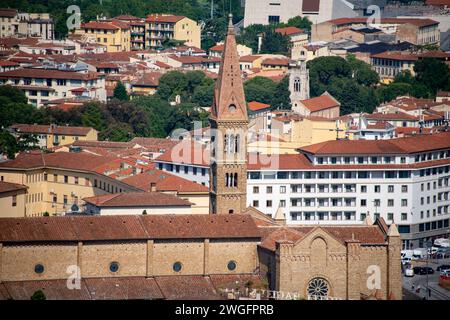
(168, 18)
(8, 13)
(187, 59)
(102, 144)
(406, 145)
(162, 65)
(7, 63)
(381, 125)
(443, 93)
(106, 25)
(396, 55)
(217, 47)
(186, 287)
(50, 129)
(187, 152)
(323, 102)
(391, 116)
(156, 144)
(8, 187)
(89, 228)
(256, 106)
(127, 17)
(364, 234)
(137, 199)
(148, 79)
(164, 182)
(276, 62)
(48, 74)
(249, 58)
(289, 30)
(438, 2)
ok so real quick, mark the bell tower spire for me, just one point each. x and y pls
(229, 122)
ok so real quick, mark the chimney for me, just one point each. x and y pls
(153, 186)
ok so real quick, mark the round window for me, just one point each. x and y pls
(232, 108)
(318, 287)
(114, 267)
(177, 266)
(232, 265)
(39, 268)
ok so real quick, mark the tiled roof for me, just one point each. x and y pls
(438, 2)
(323, 102)
(148, 79)
(256, 106)
(156, 144)
(407, 145)
(187, 152)
(87, 228)
(415, 21)
(164, 18)
(186, 287)
(137, 199)
(396, 55)
(289, 30)
(102, 144)
(8, 187)
(48, 74)
(249, 58)
(7, 63)
(217, 47)
(105, 25)
(164, 182)
(393, 116)
(51, 129)
(8, 13)
(276, 61)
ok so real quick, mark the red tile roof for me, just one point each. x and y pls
(48, 74)
(8, 187)
(133, 227)
(396, 55)
(276, 62)
(148, 79)
(164, 182)
(289, 30)
(137, 199)
(323, 102)
(106, 25)
(407, 145)
(8, 13)
(256, 106)
(187, 152)
(51, 129)
(168, 18)
(394, 116)
(249, 58)
(186, 287)
(217, 47)
(414, 21)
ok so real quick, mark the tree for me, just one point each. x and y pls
(362, 72)
(299, 22)
(249, 36)
(171, 84)
(120, 92)
(433, 73)
(38, 295)
(274, 42)
(260, 89)
(282, 96)
(203, 96)
(8, 144)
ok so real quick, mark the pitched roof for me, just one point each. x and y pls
(249, 58)
(408, 145)
(106, 25)
(148, 79)
(323, 102)
(256, 106)
(8, 187)
(168, 18)
(289, 30)
(276, 61)
(8, 13)
(187, 152)
(137, 199)
(164, 182)
(52, 129)
(48, 74)
(89, 228)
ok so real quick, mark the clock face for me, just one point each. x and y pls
(232, 108)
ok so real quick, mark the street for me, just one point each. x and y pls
(420, 281)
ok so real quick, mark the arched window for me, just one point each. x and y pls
(235, 180)
(236, 144)
(226, 179)
(225, 143)
(297, 84)
(232, 141)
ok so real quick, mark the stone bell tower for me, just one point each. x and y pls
(298, 82)
(229, 122)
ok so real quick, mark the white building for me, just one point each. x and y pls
(405, 181)
(275, 11)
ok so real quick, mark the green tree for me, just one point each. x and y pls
(203, 96)
(260, 89)
(433, 73)
(171, 84)
(8, 144)
(281, 98)
(274, 42)
(92, 116)
(120, 92)
(300, 22)
(362, 72)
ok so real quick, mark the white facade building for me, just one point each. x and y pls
(275, 11)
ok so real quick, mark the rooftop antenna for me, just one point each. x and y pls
(212, 9)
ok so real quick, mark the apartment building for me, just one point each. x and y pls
(12, 199)
(58, 181)
(414, 30)
(276, 11)
(114, 34)
(43, 85)
(14, 23)
(166, 26)
(405, 181)
(50, 136)
(137, 31)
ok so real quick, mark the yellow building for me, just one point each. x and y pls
(146, 83)
(12, 199)
(50, 136)
(167, 26)
(57, 181)
(113, 34)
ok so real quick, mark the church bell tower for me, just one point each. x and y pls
(298, 82)
(229, 122)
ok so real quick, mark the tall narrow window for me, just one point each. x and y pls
(235, 180)
(236, 144)
(297, 84)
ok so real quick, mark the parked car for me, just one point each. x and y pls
(443, 267)
(409, 272)
(423, 270)
(406, 261)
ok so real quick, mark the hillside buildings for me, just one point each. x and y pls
(14, 23)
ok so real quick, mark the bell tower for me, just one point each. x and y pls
(229, 122)
(298, 82)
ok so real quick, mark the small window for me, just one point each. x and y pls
(39, 268)
(232, 265)
(177, 266)
(114, 267)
